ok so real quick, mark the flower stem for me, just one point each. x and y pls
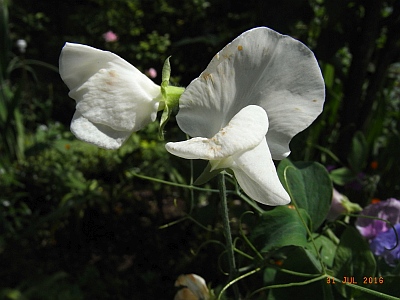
(227, 233)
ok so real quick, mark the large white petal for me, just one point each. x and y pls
(245, 131)
(97, 134)
(259, 67)
(108, 90)
(256, 174)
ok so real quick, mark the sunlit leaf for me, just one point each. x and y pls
(310, 186)
(280, 227)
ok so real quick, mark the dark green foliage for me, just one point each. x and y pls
(83, 224)
(353, 259)
(302, 261)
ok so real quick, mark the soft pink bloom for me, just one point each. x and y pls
(336, 206)
(341, 205)
(110, 37)
(152, 73)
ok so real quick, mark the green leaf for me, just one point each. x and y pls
(325, 247)
(280, 227)
(359, 153)
(309, 186)
(4, 40)
(303, 261)
(342, 176)
(353, 259)
(329, 75)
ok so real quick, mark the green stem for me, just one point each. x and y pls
(249, 201)
(227, 233)
(190, 187)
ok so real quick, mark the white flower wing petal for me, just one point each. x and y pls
(108, 90)
(206, 105)
(195, 148)
(260, 67)
(245, 131)
(256, 174)
(97, 134)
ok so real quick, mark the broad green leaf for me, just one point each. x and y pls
(325, 248)
(280, 227)
(353, 258)
(309, 186)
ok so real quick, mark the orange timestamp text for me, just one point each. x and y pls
(352, 280)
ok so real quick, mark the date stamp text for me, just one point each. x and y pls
(365, 280)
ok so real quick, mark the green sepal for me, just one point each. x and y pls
(165, 75)
(164, 119)
(207, 175)
(170, 95)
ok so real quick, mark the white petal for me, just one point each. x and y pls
(245, 131)
(259, 67)
(97, 134)
(256, 174)
(108, 90)
(196, 284)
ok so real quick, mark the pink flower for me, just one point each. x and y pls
(341, 205)
(110, 37)
(336, 206)
(152, 73)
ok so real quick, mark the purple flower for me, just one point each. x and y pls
(383, 243)
(387, 210)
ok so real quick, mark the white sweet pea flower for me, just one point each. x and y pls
(113, 98)
(242, 147)
(260, 67)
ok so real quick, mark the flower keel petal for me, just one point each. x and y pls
(245, 131)
(256, 174)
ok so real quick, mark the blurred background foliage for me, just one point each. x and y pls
(75, 221)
